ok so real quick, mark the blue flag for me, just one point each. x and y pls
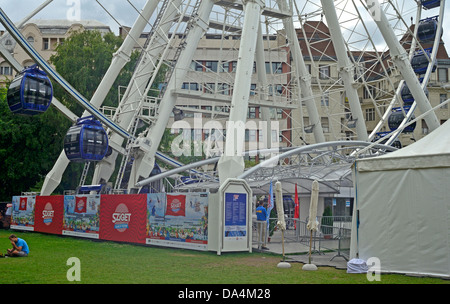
(270, 204)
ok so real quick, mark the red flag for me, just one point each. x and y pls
(80, 204)
(23, 203)
(176, 205)
(297, 207)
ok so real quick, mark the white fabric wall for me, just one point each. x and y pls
(404, 219)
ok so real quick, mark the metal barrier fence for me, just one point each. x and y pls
(333, 234)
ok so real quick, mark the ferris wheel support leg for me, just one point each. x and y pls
(144, 162)
(402, 61)
(231, 163)
(346, 68)
(53, 178)
(303, 74)
(105, 168)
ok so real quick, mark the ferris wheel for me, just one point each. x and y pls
(345, 69)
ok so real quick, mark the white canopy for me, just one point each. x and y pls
(429, 152)
(402, 207)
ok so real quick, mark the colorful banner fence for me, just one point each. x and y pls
(178, 220)
(163, 219)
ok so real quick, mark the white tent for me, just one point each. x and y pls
(402, 207)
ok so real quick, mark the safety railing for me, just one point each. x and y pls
(333, 234)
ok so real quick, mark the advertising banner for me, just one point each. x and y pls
(49, 214)
(178, 220)
(82, 215)
(123, 217)
(22, 217)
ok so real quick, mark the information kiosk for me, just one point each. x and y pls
(230, 217)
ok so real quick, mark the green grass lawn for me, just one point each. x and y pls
(104, 262)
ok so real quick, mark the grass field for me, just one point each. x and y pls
(103, 262)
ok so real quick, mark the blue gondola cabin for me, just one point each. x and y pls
(86, 141)
(396, 144)
(427, 29)
(428, 4)
(420, 62)
(30, 93)
(397, 117)
(407, 97)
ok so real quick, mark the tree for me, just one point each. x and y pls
(28, 147)
(83, 60)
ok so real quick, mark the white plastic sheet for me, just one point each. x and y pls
(357, 266)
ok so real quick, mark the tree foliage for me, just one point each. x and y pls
(83, 60)
(28, 147)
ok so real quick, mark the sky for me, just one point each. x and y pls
(123, 12)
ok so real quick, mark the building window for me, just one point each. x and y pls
(276, 137)
(442, 99)
(190, 86)
(252, 89)
(279, 114)
(46, 43)
(308, 68)
(211, 66)
(250, 135)
(325, 124)
(324, 72)
(324, 101)
(192, 67)
(443, 75)
(30, 40)
(370, 114)
(233, 66)
(251, 112)
(224, 67)
(210, 88)
(5, 70)
(223, 89)
(278, 90)
(276, 68)
(196, 66)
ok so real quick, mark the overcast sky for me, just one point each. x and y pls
(123, 12)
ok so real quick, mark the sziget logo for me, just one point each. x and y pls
(121, 218)
(175, 206)
(47, 214)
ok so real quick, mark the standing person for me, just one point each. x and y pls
(261, 217)
(20, 247)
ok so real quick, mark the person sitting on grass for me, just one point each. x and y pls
(20, 247)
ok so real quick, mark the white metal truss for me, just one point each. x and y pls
(316, 38)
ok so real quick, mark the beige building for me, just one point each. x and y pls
(45, 36)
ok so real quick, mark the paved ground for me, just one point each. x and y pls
(299, 252)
